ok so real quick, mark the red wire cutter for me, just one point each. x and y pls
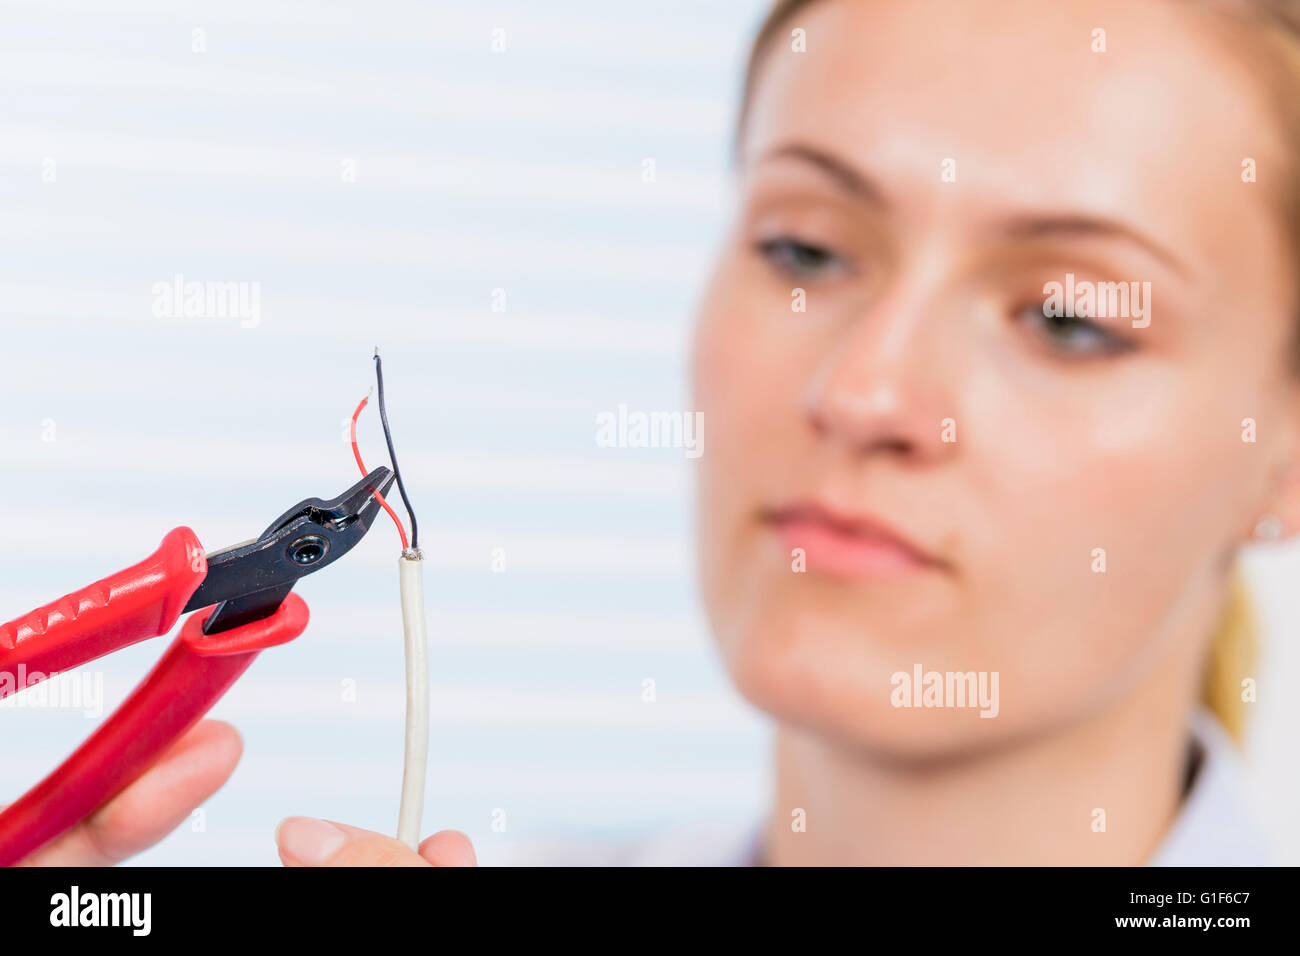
(243, 602)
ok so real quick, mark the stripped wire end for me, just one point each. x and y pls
(392, 453)
(356, 453)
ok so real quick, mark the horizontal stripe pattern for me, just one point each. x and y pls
(385, 179)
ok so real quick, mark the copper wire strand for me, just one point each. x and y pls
(356, 453)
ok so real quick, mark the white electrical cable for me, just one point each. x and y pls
(411, 571)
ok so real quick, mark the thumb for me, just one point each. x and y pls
(449, 848)
(304, 841)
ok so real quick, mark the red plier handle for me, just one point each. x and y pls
(243, 602)
(133, 605)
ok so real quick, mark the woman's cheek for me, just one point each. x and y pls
(1094, 511)
(1061, 495)
(1164, 438)
(740, 368)
(721, 368)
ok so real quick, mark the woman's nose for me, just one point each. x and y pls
(887, 384)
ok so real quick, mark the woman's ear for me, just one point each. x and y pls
(1282, 519)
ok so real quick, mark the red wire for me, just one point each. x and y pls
(356, 453)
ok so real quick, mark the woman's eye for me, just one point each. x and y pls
(1072, 335)
(801, 259)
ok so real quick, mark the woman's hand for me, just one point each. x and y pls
(187, 773)
(304, 841)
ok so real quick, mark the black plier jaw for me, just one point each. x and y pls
(248, 581)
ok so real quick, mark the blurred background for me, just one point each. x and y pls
(518, 204)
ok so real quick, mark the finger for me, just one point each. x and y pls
(444, 848)
(449, 848)
(188, 772)
(304, 841)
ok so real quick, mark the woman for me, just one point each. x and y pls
(999, 368)
(921, 462)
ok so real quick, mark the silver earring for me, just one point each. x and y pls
(1268, 528)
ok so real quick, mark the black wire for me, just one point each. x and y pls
(392, 455)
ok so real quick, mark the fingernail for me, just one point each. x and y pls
(309, 841)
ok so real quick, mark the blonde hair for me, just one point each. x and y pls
(1273, 27)
(1234, 651)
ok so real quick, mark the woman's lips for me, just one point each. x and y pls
(855, 547)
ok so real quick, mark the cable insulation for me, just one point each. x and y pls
(415, 640)
(411, 570)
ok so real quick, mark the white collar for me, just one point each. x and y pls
(1215, 825)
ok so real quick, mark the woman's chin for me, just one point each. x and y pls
(833, 678)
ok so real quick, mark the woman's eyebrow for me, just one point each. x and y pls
(1031, 226)
(1035, 227)
(845, 175)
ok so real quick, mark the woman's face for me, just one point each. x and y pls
(1068, 490)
